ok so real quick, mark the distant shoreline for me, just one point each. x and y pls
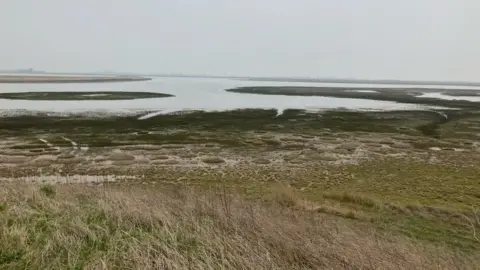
(245, 78)
(68, 79)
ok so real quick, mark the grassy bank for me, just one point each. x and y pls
(93, 95)
(77, 227)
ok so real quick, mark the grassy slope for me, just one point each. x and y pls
(76, 227)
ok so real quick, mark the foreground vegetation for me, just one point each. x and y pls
(92, 95)
(77, 227)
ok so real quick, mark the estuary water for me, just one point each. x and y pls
(191, 94)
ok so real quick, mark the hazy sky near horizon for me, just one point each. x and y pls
(374, 39)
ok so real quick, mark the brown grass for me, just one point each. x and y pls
(82, 227)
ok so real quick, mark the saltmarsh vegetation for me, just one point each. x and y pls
(226, 128)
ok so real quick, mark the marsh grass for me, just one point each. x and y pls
(228, 129)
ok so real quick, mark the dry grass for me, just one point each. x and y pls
(82, 227)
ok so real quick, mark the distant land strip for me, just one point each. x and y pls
(68, 79)
(363, 81)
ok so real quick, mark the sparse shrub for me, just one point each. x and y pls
(48, 190)
(346, 197)
(3, 206)
(350, 215)
(284, 195)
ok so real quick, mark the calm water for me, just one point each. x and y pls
(190, 93)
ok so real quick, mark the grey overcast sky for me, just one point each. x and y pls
(371, 39)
